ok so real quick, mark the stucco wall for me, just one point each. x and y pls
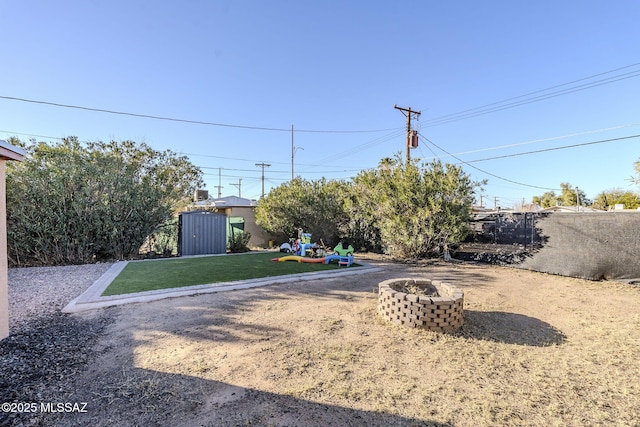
(259, 239)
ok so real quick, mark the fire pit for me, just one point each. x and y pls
(421, 303)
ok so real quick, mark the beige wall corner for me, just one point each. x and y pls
(4, 286)
(7, 152)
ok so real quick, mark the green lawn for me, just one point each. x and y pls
(178, 272)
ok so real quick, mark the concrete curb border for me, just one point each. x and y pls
(92, 298)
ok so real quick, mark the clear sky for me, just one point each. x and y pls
(491, 79)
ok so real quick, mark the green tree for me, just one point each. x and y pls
(547, 200)
(568, 197)
(72, 203)
(608, 199)
(418, 209)
(315, 206)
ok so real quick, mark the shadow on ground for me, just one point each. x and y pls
(151, 398)
(510, 328)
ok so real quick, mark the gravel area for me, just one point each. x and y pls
(46, 349)
(37, 291)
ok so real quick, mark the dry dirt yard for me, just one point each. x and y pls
(535, 350)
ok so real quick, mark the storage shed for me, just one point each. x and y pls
(202, 233)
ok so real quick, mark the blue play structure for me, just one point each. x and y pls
(301, 245)
(343, 261)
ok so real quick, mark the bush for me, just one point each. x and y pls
(73, 203)
(164, 240)
(412, 210)
(239, 241)
(315, 206)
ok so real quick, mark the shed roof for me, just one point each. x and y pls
(11, 152)
(233, 201)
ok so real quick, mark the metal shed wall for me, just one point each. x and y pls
(202, 233)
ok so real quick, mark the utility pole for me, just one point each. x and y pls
(408, 112)
(293, 152)
(239, 185)
(219, 186)
(263, 165)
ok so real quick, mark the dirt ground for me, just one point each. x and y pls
(535, 350)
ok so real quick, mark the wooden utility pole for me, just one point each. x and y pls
(263, 165)
(408, 112)
(239, 185)
(219, 186)
(292, 152)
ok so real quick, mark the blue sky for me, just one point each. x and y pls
(337, 66)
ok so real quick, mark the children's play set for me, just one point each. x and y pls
(302, 250)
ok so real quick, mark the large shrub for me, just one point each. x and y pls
(412, 210)
(72, 203)
(409, 211)
(315, 206)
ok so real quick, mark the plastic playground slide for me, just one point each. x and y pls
(298, 258)
(288, 258)
(316, 260)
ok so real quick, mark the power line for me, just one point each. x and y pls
(363, 146)
(536, 91)
(338, 169)
(552, 149)
(173, 119)
(535, 99)
(495, 106)
(549, 139)
(485, 172)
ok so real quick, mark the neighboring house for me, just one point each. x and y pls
(241, 215)
(570, 209)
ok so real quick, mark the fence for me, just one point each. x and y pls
(510, 228)
(594, 246)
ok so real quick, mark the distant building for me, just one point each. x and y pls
(570, 209)
(241, 216)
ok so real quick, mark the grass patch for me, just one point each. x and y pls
(180, 272)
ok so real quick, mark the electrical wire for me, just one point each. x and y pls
(338, 169)
(363, 146)
(536, 99)
(552, 149)
(197, 122)
(549, 139)
(495, 106)
(485, 172)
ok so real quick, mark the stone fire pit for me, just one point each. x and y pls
(421, 303)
